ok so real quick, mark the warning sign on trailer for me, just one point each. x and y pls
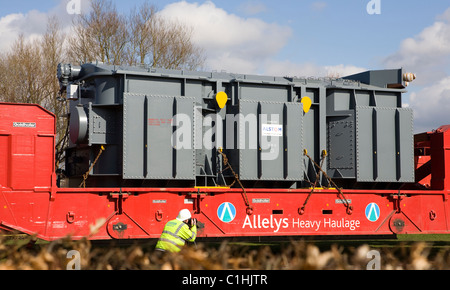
(24, 125)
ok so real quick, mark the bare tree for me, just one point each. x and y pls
(52, 53)
(28, 70)
(28, 75)
(20, 82)
(140, 25)
(144, 37)
(3, 75)
(173, 47)
(101, 34)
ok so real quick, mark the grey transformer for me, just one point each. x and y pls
(148, 127)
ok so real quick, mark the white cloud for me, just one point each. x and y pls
(288, 68)
(33, 23)
(431, 105)
(428, 56)
(253, 7)
(245, 45)
(319, 5)
(232, 43)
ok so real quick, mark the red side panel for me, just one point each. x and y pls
(4, 159)
(142, 213)
(27, 140)
(440, 156)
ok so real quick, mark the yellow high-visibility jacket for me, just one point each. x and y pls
(175, 235)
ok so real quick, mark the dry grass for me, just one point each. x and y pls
(286, 256)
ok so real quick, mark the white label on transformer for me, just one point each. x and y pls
(273, 130)
(72, 92)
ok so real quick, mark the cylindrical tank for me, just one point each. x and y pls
(78, 125)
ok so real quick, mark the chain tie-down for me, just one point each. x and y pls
(227, 165)
(86, 175)
(344, 200)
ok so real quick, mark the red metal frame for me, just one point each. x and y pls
(30, 201)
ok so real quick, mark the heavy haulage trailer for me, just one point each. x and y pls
(250, 156)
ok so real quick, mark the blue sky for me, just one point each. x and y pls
(298, 37)
(324, 32)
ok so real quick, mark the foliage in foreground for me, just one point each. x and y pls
(287, 256)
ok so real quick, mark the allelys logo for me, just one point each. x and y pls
(226, 212)
(372, 212)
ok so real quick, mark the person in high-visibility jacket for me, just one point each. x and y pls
(176, 232)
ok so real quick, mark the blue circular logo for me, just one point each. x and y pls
(226, 212)
(372, 212)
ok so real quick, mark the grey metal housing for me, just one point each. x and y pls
(164, 128)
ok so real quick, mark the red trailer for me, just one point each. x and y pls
(32, 203)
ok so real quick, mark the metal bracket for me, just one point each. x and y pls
(119, 197)
(70, 217)
(159, 215)
(197, 197)
(397, 198)
(120, 227)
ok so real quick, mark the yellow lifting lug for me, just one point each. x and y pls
(221, 99)
(307, 103)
